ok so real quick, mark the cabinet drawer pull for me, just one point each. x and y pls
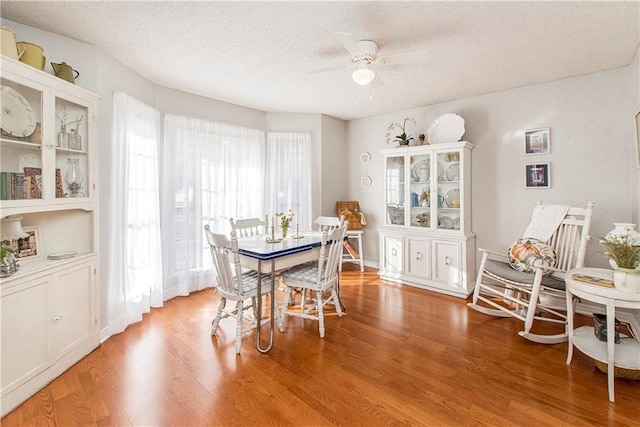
(56, 318)
(394, 252)
(447, 261)
(418, 255)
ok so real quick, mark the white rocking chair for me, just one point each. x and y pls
(506, 292)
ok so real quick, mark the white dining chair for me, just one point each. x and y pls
(331, 222)
(235, 284)
(319, 278)
(246, 227)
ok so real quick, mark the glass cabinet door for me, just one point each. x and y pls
(72, 161)
(21, 161)
(420, 177)
(395, 190)
(449, 196)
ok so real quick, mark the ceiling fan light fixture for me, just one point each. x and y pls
(363, 75)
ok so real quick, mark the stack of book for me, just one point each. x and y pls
(17, 186)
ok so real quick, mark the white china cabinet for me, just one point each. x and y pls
(426, 240)
(49, 308)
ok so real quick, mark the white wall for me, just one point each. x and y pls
(171, 101)
(335, 165)
(592, 155)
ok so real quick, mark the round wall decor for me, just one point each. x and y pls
(365, 157)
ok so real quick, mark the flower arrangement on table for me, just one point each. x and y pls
(622, 251)
(403, 138)
(285, 221)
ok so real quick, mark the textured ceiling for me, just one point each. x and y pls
(271, 55)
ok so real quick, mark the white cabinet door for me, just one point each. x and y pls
(25, 318)
(419, 262)
(447, 262)
(393, 251)
(73, 316)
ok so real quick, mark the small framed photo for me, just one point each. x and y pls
(537, 175)
(536, 141)
(27, 248)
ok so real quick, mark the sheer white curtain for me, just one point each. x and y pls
(289, 176)
(135, 261)
(211, 172)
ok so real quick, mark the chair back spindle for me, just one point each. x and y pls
(247, 227)
(328, 222)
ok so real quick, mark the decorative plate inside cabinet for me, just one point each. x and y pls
(445, 222)
(452, 198)
(17, 119)
(453, 172)
(421, 171)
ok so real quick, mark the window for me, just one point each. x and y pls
(289, 176)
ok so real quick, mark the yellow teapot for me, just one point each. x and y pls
(9, 46)
(32, 55)
(65, 72)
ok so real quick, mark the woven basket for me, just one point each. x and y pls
(629, 374)
(351, 212)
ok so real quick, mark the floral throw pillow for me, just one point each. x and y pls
(523, 253)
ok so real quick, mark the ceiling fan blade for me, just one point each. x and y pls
(377, 81)
(407, 58)
(349, 43)
(327, 69)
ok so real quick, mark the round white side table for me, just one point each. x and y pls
(624, 355)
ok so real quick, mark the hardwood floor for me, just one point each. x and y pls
(400, 356)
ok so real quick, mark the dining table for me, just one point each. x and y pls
(267, 255)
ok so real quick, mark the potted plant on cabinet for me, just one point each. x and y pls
(8, 262)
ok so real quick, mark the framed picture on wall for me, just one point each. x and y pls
(537, 141)
(537, 175)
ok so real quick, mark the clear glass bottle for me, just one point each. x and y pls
(63, 138)
(75, 140)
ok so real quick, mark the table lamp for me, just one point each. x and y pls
(10, 230)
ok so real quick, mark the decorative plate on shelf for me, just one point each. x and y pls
(453, 172)
(418, 166)
(445, 222)
(452, 198)
(446, 128)
(17, 118)
(63, 255)
(456, 223)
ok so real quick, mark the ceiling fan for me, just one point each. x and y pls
(364, 56)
